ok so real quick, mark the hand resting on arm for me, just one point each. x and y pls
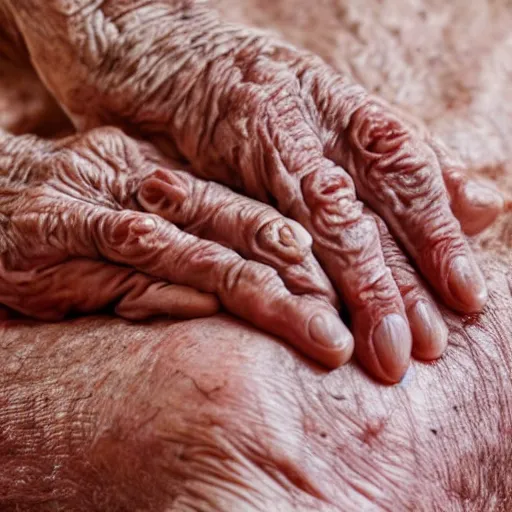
(278, 124)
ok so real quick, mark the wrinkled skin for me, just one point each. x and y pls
(69, 205)
(249, 110)
(212, 415)
(86, 210)
(99, 414)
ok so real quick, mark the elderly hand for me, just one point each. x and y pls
(76, 237)
(277, 123)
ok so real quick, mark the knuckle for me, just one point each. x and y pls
(360, 258)
(284, 239)
(375, 284)
(330, 196)
(177, 185)
(127, 229)
(375, 131)
(244, 275)
(172, 193)
(392, 164)
(327, 185)
(410, 289)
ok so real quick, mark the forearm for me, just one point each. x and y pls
(106, 415)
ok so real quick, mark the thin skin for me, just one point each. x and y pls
(213, 415)
(279, 124)
(103, 415)
(94, 206)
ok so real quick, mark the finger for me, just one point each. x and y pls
(347, 242)
(247, 289)
(429, 331)
(253, 229)
(475, 204)
(85, 286)
(321, 197)
(398, 175)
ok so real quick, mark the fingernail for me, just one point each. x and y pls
(483, 196)
(467, 284)
(328, 331)
(429, 330)
(392, 343)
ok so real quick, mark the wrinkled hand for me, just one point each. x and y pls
(277, 123)
(75, 226)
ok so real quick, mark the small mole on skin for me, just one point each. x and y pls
(455, 408)
(434, 431)
(323, 435)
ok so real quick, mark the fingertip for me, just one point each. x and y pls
(467, 285)
(332, 342)
(429, 331)
(392, 342)
(477, 207)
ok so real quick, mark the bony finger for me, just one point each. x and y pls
(255, 292)
(475, 204)
(346, 242)
(253, 229)
(148, 298)
(48, 294)
(247, 289)
(399, 176)
(429, 331)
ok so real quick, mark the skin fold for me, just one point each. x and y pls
(212, 414)
(280, 125)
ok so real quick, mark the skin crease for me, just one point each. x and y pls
(101, 430)
(301, 125)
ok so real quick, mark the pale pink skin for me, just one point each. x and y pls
(271, 121)
(101, 414)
